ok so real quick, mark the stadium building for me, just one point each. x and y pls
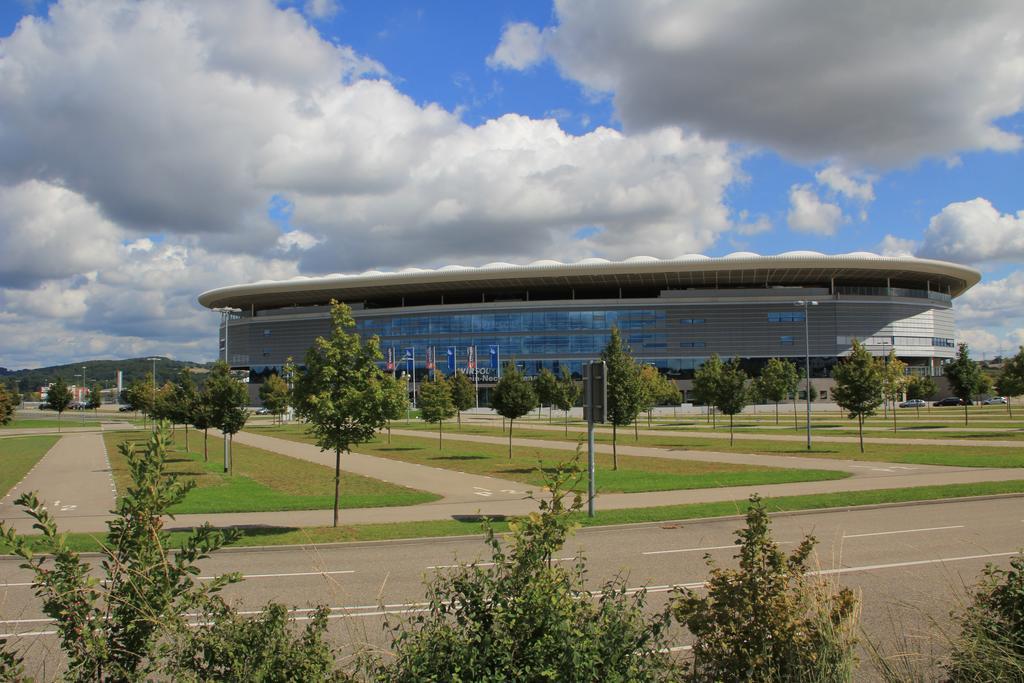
(673, 313)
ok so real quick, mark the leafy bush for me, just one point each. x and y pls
(527, 619)
(768, 620)
(991, 642)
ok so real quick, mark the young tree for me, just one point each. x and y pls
(95, 398)
(141, 395)
(894, 381)
(964, 376)
(778, 380)
(512, 397)
(705, 382)
(768, 619)
(111, 629)
(649, 378)
(6, 406)
(568, 394)
(1011, 379)
(59, 397)
(183, 399)
(732, 394)
(523, 617)
(436, 405)
(227, 398)
(667, 392)
(625, 388)
(341, 392)
(289, 373)
(463, 393)
(396, 399)
(202, 418)
(275, 396)
(546, 387)
(858, 388)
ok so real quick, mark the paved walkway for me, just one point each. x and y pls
(802, 438)
(74, 480)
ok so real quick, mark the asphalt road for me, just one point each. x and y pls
(911, 563)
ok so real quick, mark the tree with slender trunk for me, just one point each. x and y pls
(732, 393)
(95, 398)
(546, 387)
(463, 394)
(1011, 380)
(625, 388)
(342, 391)
(183, 400)
(964, 376)
(921, 387)
(894, 382)
(512, 398)
(705, 382)
(275, 396)
(569, 392)
(228, 398)
(858, 388)
(396, 400)
(201, 417)
(59, 398)
(436, 405)
(779, 378)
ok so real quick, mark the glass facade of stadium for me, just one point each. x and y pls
(537, 324)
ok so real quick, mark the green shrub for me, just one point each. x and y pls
(527, 619)
(991, 642)
(767, 620)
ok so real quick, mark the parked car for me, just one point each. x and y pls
(994, 401)
(913, 403)
(45, 406)
(124, 409)
(263, 411)
(950, 401)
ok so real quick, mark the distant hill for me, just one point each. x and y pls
(102, 371)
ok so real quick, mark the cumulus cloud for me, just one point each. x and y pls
(808, 213)
(891, 245)
(974, 232)
(521, 47)
(321, 9)
(298, 240)
(853, 186)
(869, 83)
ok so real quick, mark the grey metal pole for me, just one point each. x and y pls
(590, 464)
(807, 367)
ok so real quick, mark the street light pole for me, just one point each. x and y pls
(807, 361)
(85, 386)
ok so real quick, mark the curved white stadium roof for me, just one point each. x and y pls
(691, 270)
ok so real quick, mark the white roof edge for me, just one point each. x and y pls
(694, 262)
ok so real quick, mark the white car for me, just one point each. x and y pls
(994, 401)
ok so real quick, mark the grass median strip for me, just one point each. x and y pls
(919, 454)
(20, 454)
(262, 481)
(667, 513)
(635, 474)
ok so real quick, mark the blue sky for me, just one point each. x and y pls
(158, 148)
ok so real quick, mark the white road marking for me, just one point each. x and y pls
(490, 564)
(904, 531)
(697, 550)
(211, 578)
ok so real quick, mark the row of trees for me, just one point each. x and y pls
(519, 617)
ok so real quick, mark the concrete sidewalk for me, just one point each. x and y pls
(74, 480)
(746, 436)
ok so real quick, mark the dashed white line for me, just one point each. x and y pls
(904, 531)
(697, 550)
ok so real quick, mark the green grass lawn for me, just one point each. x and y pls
(18, 455)
(960, 456)
(635, 474)
(667, 513)
(262, 481)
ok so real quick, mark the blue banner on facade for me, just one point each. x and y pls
(451, 359)
(410, 359)
(494, 357)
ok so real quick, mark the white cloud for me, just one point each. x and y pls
(807, 213)
(993, 302)
(297, 239)
(891, 245)
(871, 83)
(321, 9)
(749, 227)
(974, 232)
(853, 186)
(521, 46)
(48, 231)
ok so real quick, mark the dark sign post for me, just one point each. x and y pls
(595, 409)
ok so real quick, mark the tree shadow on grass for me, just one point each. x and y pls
(459, 457)
(399, 448)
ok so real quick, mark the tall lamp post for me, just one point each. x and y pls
(806, 305)
(85, 386)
